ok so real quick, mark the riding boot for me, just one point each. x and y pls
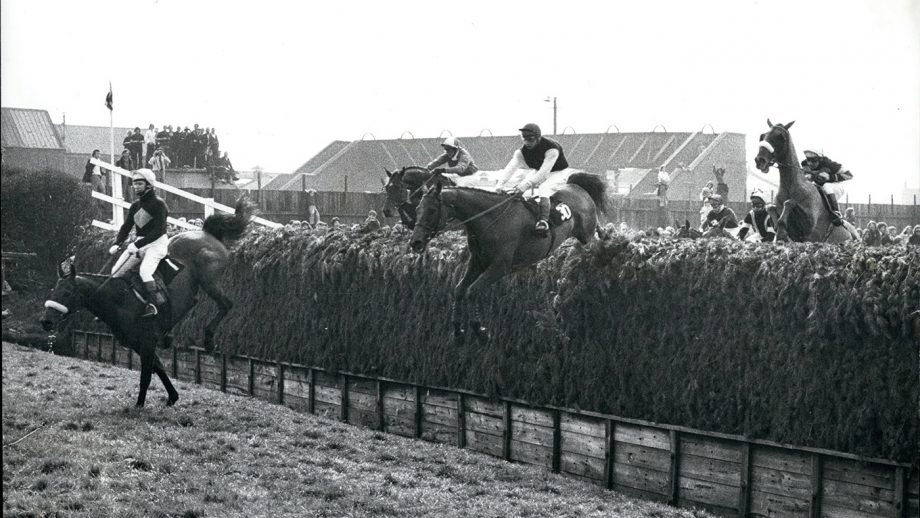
(836, 216)
(542, 226)
(151, 299)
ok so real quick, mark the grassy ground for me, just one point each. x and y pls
(74, 445)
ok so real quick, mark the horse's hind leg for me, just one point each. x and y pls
(224, 305)
(158, 368)
(147, 354)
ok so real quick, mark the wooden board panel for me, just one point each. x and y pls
(581, 465)
(531, 454)
(711, 448)
(710, 470)
(484, 406)
(774, 458)
(439, 433)
(650, 480)
(441, 415)
(532, 416)
(717, 510)
(483, 423)
(400, 426)
(589, 445)
(583, 425)
(831, 510)
(536, 434)
(362, 386)
(484, 443)
(363, 418)
(643, 436)
(858, 497)
(439, 398)
(328, 395)
(781, 483)
(854, 472)
(642, 457)
(767, 504)
(121, 356)
(296, 402)
(210, 371)
(359, 401)
(265, 378)
(237, 375)
(296, 388)
(327, 410)
(711, 493)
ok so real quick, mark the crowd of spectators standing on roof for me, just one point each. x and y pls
(179, 148)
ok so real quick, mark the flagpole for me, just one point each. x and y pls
(117, 213)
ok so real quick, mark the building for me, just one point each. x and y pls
(30, 140)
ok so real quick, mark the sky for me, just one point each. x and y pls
(281, 80)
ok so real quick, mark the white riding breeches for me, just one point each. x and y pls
(149, 258)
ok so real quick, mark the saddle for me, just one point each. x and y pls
(165, 273)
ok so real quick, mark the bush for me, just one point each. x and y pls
(43, 212)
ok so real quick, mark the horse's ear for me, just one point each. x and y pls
(383, 183)
(769, 123)
(387, 171)
(787, 126)
(687, 223)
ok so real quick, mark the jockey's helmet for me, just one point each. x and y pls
(758, 194)
(451, 142)
(813, 154)
(144, 174)
(715, 198)
(531, 129)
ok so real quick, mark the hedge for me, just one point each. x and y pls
(805, 344)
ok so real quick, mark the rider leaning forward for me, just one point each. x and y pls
(457, 159)
(822, 170)
(542, 156)
(758, 220)
(148, 217)
(720, 215)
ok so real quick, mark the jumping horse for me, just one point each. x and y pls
(804, 217)
(403, 190)
(501, 235)
(204, 256)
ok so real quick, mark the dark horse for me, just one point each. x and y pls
(204, 257)
(403, 191)
(804, 216)
(501, 236)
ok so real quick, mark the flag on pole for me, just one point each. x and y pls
(108, 97)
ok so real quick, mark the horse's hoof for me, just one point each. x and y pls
(172, 401)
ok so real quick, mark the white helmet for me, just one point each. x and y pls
(451, 142)
(144, 174)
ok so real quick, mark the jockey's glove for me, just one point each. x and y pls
(113, 250)
(824, 176)
(132, 249)
(513, 191)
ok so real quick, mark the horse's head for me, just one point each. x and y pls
(432, 217)
(396, 193)
(774, 146)
(65, 298)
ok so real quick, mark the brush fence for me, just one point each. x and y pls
(725, 474)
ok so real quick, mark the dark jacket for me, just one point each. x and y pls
(148, 216)
(534, 157)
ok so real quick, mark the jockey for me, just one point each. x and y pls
(148, 217)
(720, 215)
(458, 159)
(758, 219)
(822, 170)
(541, 156)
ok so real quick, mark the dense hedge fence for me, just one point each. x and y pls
(804, 344)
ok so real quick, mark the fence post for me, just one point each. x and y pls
(506, 432)
(744, 492)
(675, 467)
(609, 432)
(418, 411)
(381, 416)
(461, 420)
(311, 393)
(251, 387)
(817, 479)
(223, 371)
(197, 366)
(343, 410)
(280, 369)
(557, 440)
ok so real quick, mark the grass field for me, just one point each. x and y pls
(74, 445)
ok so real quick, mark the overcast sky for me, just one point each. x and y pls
(281, 80)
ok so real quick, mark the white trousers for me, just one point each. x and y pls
(149, 258)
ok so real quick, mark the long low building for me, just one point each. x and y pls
(630, 161)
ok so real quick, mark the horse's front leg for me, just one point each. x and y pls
(172, 395)
(492, 273)
(781, 221)
(148, 355)
(460, 311)
(224, 305)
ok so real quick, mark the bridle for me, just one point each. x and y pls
(765, 144)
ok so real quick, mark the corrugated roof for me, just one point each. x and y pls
(84, 139)
(28, 128)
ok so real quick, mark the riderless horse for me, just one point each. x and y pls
(804, 216)
(203, 256)
(404, 192)
(501, 235)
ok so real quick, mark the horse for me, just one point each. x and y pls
(501, 235)
(403, 192)
(804, 216)
(204, 257)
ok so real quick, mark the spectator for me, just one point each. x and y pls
(914, 239)
(125, 161)
(312, 211)
(720, 215)
(163, 139)
(758, 220)
(540, 156)
(158, 163)
(458, 160)
(92, 174)
(664, 180)
(370, 224)
(214, 143)
(707, 191)
(175, 146)
(884, 237)
(150, 142)
(850, 216)
(822, 170)
(871, 236)
(893, 235)
(128, 143)
(186, 147)
(223, 168)
(199, 145)
(334, 222)
(137, 146)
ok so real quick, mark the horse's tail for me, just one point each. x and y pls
(227, 227)
(594, 185)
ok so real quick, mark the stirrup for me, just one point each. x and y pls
(150, 311)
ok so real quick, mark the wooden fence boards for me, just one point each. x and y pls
(723, 474)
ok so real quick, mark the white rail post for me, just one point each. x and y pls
(208, 208)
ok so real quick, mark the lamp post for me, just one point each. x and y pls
(554, 112)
